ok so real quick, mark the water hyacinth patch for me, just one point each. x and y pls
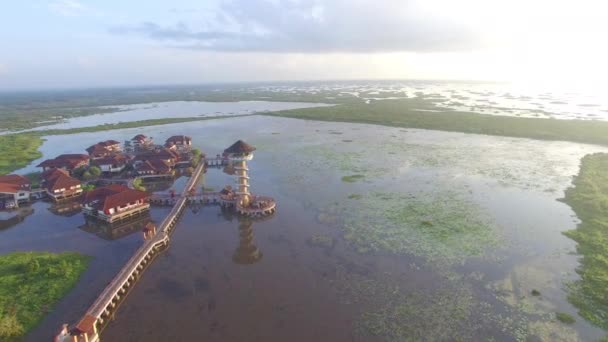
(437, 226)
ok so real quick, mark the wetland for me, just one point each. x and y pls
(438, 235)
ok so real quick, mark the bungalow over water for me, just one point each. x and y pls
(14, 189)
(60, 185)
(67, 162)
(115, 202)
(181, 143)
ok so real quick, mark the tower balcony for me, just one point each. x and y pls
(241, 157)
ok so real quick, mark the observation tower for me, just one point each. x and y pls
(247, 204)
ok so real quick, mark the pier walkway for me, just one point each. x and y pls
(101, 311)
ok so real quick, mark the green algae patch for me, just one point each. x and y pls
(437, 226)
(355, 196)
(352, 178)
(589, 200)
(30, 284)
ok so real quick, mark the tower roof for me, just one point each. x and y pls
(240, 147)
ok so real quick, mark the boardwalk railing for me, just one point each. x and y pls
(99, 313)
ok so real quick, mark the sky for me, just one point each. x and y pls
(102, 43)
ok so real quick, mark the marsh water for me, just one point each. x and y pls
(381, 234)
(175, 109)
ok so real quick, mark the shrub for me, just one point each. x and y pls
(9, 326)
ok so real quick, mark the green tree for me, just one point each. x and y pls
(88, 187)
(95, 171)
(79, 172)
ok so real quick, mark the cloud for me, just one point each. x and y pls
(68, 8)
(313, 26)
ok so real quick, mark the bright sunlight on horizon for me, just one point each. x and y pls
(109, 43)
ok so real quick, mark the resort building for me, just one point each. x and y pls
(67, 162)
(182, 143)
(115, 202)
(59, 185)
(170, 157)
(104, 149)
(141, 141)
(153, 167)
(14, 189)
(111, 164)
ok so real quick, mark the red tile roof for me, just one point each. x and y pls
(61, 182)
(113, 196)
(10, 188)
(165, 154)
(117, 159)
(181, 139)
(69, 161)
(14, 179)
(139, 137)
(101, 146)
(53, 173)
(13, 184)
(156, 165)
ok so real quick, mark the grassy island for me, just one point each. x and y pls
(421, 113)
(30, 284)
(589, 200)
(17, 151)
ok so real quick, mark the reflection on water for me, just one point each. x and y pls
(113, 231)
(66, 208)
(14, 217)
(247, 252)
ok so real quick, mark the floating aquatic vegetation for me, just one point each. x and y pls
(355, 196)
(437, 226)
(450, 311)
(321, 240)
(564, 318)
(551, 331)
(352, 178)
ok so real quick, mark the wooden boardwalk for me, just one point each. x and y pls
(102, 310)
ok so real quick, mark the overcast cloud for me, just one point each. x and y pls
(315, 26)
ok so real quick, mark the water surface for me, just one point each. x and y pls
(347, 258)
